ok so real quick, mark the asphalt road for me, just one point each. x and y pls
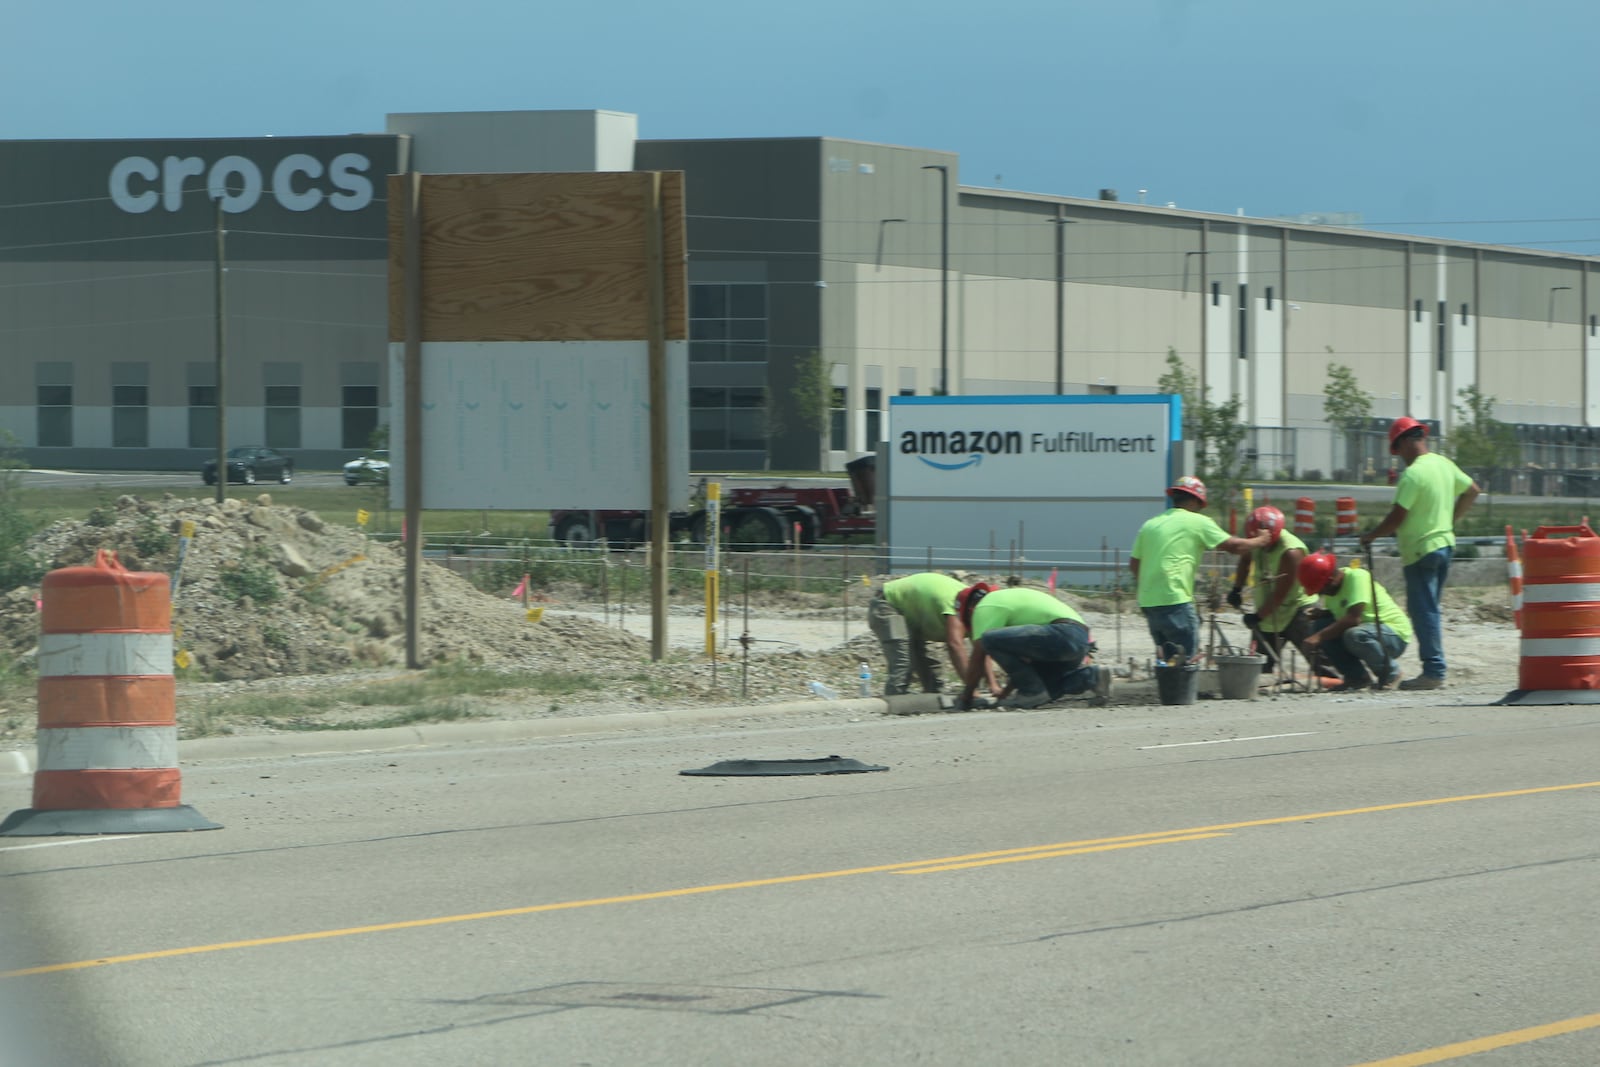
(1281, 882)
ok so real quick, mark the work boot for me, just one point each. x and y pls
(1352, 684)
(1027, 700)
(1422, 681)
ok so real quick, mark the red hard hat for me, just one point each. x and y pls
(1316, 570)
(1265, 517)
(1402, 426)
(1191, 485)
(967, 601)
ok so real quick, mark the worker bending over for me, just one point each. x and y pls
(906, 615)
(1282, 609)
(1359, 625)
(1039, 641)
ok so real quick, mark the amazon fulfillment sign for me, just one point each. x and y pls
(1049, 479)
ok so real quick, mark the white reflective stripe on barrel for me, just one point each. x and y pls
(1561, 646)
(98, 748)
(99, 654)
(1569, 593)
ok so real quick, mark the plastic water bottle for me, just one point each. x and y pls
(823, 691)
(866, 680)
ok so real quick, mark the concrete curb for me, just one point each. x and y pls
(318, 743)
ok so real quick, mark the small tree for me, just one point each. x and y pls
(1216, 430)
(1482, 443)
(811, 393)
(772, 424)
(1347, 407)
(17, 567)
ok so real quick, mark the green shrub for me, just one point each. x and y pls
(251, 578)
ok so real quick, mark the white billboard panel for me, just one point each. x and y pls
(973, 478)
(539, 424)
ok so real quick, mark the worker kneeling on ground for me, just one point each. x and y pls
(1037, 640)
(1359, 625)
(1166, 555)
(909, 613)
(1282, 608)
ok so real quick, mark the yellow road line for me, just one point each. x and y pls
(1486, 1044)
(1057, 852)
(789, 879)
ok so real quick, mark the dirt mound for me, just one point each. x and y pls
(266, 591)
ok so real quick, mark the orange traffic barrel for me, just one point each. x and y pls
(108, 728)
(1305, 516)
(1345, 518)
(1514, 577)
(1560, 660)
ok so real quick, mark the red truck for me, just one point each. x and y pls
(753, 517)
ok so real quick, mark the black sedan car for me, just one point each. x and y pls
(252, 464)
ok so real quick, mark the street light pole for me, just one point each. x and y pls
(944, 275)
(221, 351)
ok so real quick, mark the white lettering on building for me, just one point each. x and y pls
(138, 184)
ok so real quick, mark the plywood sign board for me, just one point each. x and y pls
(1052, 478)
(535, 318)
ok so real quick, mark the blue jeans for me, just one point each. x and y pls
(1360, 649)
(1424, 586)
(1174, 624)
(1043, 659)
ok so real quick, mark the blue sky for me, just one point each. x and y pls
(1472, 119)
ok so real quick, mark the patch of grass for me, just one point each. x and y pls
(150, 538)
(252, 578)
(441, 711)
(438, 695)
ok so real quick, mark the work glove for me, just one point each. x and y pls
(1235, 598)
(1252, 620)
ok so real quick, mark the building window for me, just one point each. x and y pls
(358, 415)
(1594, 324)
(874, 417)
(728, 419)
(837, 439)
(130, 416)
(202, 416)
(53, 405)
(1416, 312)
(1269, 298)
(1442, 330)
(1244, 322)
(282, 416)
(727, 322)
(1463, 314)
(1216, 294)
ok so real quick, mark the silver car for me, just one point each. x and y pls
(371, 468)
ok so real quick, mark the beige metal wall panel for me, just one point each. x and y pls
(1335, 269)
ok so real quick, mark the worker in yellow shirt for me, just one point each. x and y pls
(1359, 625)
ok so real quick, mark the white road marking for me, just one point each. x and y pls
(74, 841)
(1227, 740)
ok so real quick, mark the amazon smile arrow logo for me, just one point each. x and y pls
(972, 461)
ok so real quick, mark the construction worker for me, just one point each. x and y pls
(1038, 640)
(1165, 558)
(906, 615)
(1358, 626)
(1430, 498)
(1282, 609)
